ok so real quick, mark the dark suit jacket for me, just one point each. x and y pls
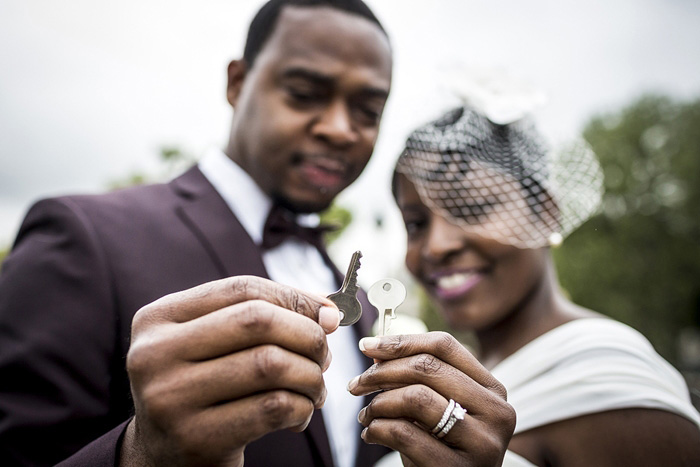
(80, 268)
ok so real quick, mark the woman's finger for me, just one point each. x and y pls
(429, 410)
(411, 441)
(440, 344)
(430, 371)
(417, 403)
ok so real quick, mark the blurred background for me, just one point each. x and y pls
(98, 95)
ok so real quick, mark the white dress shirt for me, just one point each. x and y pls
(300, 265)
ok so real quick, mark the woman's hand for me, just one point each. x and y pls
(418, 375)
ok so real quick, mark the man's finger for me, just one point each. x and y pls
(192, 303)
(246, 325)
(226, 427)
(242, 374)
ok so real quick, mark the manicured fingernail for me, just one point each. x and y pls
(369, 343)
(328, 318)
(353, 383)
(363, 434)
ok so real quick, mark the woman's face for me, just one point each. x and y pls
(476, 280)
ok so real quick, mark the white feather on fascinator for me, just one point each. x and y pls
(501, 97)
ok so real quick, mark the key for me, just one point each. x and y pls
(346, 297)
(386, 295)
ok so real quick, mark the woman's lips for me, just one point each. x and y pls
(456, 284)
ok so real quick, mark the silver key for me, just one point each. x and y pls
(386, 295)
(346, 297)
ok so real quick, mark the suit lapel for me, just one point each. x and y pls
(210, 219)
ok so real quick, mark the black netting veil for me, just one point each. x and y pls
(502, 181)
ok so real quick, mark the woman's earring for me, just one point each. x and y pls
(555, 239)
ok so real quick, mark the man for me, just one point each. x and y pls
(217, 372)
(219, 365)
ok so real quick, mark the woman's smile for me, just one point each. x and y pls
(456, 284)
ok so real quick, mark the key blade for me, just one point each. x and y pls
(386, 295)
(388, 316)
(350, 280)
(383, 323)
(346, 297)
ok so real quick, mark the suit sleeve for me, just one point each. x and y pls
(57, 339)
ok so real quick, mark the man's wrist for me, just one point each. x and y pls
(130, 452)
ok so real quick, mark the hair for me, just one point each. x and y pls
(264, 22)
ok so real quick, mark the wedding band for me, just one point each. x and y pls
(458, 413)
(445, 416)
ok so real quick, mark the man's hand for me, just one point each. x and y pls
(217, 366)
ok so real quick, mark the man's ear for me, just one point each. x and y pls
(237, 70)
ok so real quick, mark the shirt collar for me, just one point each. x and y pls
(242, 195)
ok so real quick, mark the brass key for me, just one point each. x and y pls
(346, 297)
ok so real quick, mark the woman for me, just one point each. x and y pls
(481, 203)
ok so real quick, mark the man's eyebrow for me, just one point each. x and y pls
(323, 79)
(307, 74)
(378, 93)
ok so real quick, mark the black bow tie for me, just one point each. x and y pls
(281, 224)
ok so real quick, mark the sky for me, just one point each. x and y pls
(90, 91)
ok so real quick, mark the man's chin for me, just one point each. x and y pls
(303, 206)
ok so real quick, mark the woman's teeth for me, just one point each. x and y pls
(454, 280)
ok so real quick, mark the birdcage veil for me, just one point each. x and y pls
(502, 180)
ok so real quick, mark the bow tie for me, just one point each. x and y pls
(281, 224)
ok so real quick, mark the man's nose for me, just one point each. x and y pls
(335, 126)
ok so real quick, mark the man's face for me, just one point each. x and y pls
(307, 113)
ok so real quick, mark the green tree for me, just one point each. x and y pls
(639, 260)
(338, 217)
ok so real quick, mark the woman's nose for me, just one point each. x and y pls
(443, 239)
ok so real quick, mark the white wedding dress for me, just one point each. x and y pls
(587, 366)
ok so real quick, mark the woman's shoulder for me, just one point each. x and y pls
(587, 337)
(591, 350)
(598, 324)
(587, 366)
(600, 332)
